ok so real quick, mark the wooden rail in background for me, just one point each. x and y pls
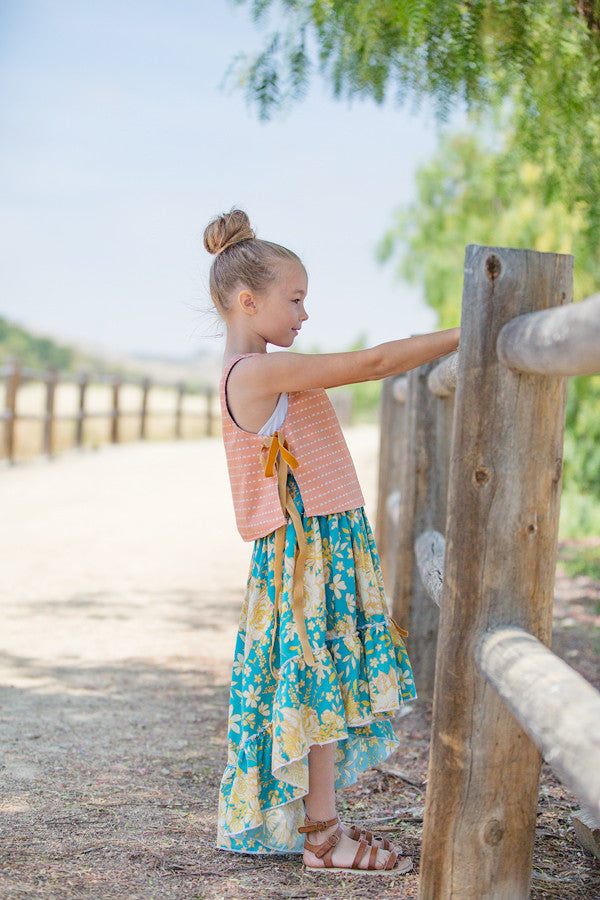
(16, 375)
(485, 544)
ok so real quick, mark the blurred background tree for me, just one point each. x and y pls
(526, 172)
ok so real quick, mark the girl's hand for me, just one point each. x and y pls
(266, 375)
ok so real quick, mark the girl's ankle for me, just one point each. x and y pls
(321, 831)
(319, 836)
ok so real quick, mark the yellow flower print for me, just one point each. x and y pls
(238, 664)
(337, 586)
(320, 670)
(310, 722)
(289, 737)
(288, 631)
(260, 616)
(352, 645)
(281, 825)
(314, 594)
(272, 725)
(234, 721)
(405, 678)
(386, 691)
(251, 695)
(352, 710)
(331, 724)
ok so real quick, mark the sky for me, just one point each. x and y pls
(119, 142)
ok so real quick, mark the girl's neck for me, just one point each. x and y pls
(240, 340)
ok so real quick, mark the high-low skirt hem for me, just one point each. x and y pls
(361, 676)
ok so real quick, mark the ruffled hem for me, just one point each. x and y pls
(266, 777)
(246, 826)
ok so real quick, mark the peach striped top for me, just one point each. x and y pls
(326, 475)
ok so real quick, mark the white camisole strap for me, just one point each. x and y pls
(277, 417)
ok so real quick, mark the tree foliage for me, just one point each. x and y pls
(468, 193)
(541, 58)
(37, 352)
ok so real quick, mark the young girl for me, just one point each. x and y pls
(320, 666)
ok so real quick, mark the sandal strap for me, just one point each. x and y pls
(372, 858)
(321, 825)
(324, 851)
(362, 847)
(391, 860)
(357, 834)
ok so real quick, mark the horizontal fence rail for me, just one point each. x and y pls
(559, 710)
(468, 505)
(442, 379)
(430, 547)
(16, 376)
(564, 340)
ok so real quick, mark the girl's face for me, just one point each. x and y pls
(281, 308)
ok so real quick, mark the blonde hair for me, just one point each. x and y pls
(241, 259)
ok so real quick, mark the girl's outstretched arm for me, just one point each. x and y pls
(267, 374)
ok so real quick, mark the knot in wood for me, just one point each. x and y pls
(557, 470)
(494, 832)
(493, 267)
(481, 475)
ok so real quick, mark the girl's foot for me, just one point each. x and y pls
(344, 851)
(376, 840)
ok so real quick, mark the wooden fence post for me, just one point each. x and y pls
(144, 410)
(442, 383)
(83, 379)
(391, 425)
(422, 507)
(12, 386)
(209, 411)
(51, 378)
(179, 409)
(114, 429)
(501, 541)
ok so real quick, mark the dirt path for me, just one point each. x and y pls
(120, 585)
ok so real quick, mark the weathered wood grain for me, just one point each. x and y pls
(558, 709)
(429, 553)
(587, 831)
(442, 379)
(501, 540)
(422, 506)
(560, 341)
(391, 437)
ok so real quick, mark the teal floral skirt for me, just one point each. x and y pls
(360, 677)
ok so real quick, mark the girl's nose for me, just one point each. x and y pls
(304, 315)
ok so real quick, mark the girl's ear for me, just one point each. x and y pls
(247, 303)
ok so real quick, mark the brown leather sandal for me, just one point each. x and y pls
(358, 834)
(362, 834)
(324, 852)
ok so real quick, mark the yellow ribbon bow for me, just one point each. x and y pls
(276, 458)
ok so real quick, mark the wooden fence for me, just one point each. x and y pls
(469, 492)
(15, 376)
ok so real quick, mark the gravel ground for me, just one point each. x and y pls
(121, 582)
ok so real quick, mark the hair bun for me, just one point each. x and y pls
(226, 230)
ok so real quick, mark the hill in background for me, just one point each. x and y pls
(38, 351)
